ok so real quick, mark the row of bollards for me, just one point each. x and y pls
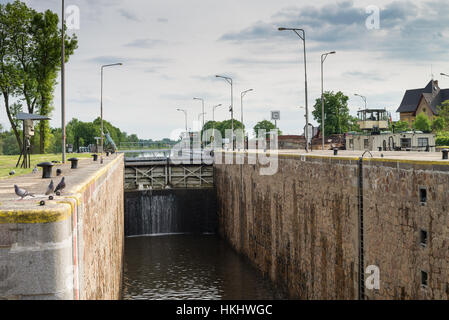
(47, 167)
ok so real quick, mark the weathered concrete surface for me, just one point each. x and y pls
(301, 226)
(71, 248)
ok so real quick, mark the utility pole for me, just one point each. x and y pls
(63, 83)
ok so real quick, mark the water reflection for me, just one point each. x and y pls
(187, 267)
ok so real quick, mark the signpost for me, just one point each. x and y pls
(275, 116)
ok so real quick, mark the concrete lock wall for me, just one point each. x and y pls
(302, 226)
(73, 247)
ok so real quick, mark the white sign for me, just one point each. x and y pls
(275, 115)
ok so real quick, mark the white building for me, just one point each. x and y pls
(387, 141)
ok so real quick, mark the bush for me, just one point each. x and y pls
(442, 139)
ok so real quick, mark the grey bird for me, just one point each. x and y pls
(61, 186)
(50, 189)
(12, 173)
(22, 192)
(35, 170)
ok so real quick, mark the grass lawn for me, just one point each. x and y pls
(8, 163)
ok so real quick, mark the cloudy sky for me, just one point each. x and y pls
(172, 50)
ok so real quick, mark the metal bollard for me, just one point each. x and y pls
(95, 157)
(47, 168)
(335, 152)
(74, 162)
(445, 154)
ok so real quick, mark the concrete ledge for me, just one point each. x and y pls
(49, 252)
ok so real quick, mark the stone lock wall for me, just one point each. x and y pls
(300, 227)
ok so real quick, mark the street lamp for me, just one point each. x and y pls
(444, 74)
(302, 35)
(229, 80)
(102, 68)
(213, 112)
(243, 94)
(202, 100)
(185, 114)
(323, 58)
(364, 99)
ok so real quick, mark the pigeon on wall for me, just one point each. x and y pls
(50, 189)
(22, 192)
(35, 170)
(61, 186)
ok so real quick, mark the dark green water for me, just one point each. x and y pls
(188, 267)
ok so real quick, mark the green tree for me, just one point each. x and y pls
(422, 123)
(46, 63)
(438, 124)
(336, 112)
(29, 61)
(401, 126)
(227, 125)
(266, 125)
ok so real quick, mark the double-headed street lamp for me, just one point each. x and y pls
(229, 80)
(242, 95)
(302, 34)
(202, 100)
(323, 58)
(185, 114)
(102, 68)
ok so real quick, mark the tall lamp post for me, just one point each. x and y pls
(229, 80)
(302, 34)
(185, 114)
(63, 82)
(202, 100)
(102, 131)
(364, 99)
(213, 119)
(323, 58)
(444, 75)
(242, 95)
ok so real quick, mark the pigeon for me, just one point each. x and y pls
(50, 189)
(61, 186)
(58, 172)
(22, 192)
(35, 170)
(12, 173)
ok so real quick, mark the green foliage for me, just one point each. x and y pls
(222, 126)
(30, 53)
(442, 139)
(401, 126)
(336, 112)
(266, 125)
(422, 123)
(438, 124)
